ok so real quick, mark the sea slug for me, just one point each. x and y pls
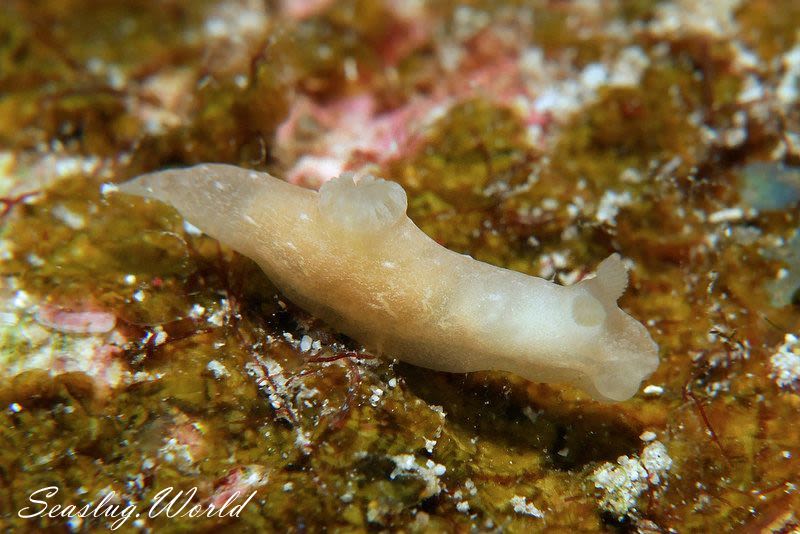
(350, 255)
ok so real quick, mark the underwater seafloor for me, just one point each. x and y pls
(137, 354)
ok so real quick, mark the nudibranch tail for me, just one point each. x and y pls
(615, 385)
(223, 187)
(221, 200)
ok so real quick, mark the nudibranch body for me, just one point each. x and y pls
(349, 255)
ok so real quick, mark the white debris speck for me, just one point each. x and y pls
(647, 436)
(350, 69)
(631, 175)
(302, 441)
(289, 486)
(74, 523)
(406, 464)
(305, 344)
(653, 391)
(752, 90)
(145, 376)
(218, 317)
(76, 221)
(688, 17)
(468, 21)
(217, 369)
(107, 188)
(392, 382)
(67, 166)
(629, 67)
(610, 204)
(430, 444)
(786, 363)
(470, 485)
(623, 483)
(522, 506)
(594, 75)
(657, 461)
(559, 99)
(160, 335)
(241, 81)
(550, 204)
(130, 279)
(35, 260)
(463, 507)
(176, 453)
(726, 215)
(6, 250)
(789, 88)
(197, 311)
(139, 296)
(216, 28)
(744, 58)
(346, 497)
(375, 398)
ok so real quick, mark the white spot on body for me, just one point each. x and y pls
(191, 229)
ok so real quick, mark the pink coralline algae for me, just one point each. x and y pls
(303, 9)
(241, 480)
(318, 141)
(355, 133)
(76, 322)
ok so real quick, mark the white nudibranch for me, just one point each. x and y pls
(349, 255)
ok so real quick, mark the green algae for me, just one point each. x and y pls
(476, 148)
(770, 35)
(53, 90)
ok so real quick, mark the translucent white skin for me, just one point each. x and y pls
(350, 256)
